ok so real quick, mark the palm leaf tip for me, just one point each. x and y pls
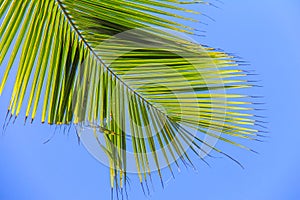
(105, 66)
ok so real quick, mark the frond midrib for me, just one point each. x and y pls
(60, 5)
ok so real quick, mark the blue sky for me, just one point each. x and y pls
(265, 33)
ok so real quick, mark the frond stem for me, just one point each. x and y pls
(100, 60)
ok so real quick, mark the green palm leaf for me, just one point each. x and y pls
(117, 66)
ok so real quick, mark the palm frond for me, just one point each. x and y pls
(115, 65)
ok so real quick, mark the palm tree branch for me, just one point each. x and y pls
(73, 55)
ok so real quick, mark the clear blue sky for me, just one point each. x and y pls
(264, 32)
